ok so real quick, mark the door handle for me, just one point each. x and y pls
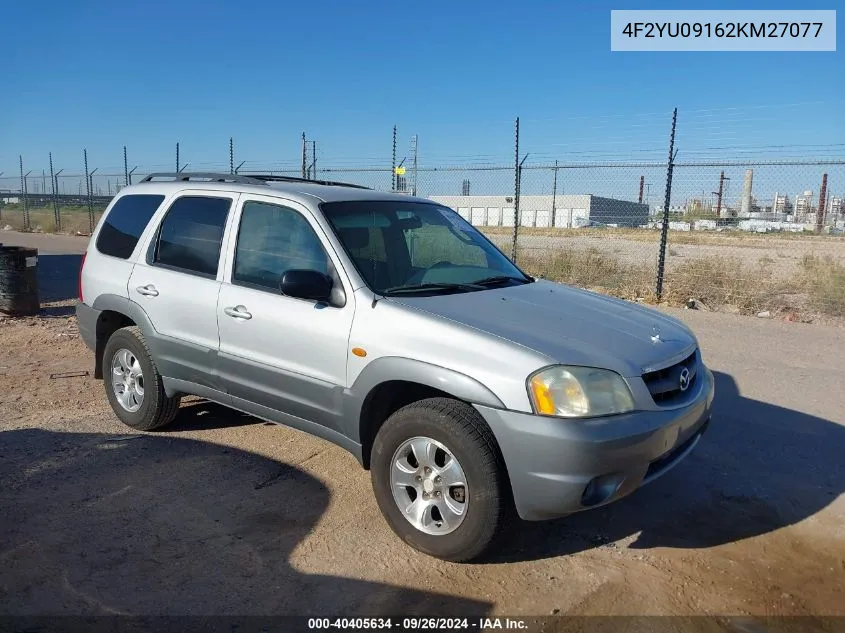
(238, 312)
(148, 291)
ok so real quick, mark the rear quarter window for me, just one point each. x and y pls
(124, 224)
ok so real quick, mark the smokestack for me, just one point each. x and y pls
(745, 205)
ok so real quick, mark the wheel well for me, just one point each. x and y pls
(108, 323)
(382, 402)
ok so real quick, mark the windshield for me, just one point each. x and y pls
(417, 246)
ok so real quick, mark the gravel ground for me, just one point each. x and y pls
(224, 514)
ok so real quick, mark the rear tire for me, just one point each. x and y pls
(456, 443)
(133, 385)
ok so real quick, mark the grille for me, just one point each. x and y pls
(665, 384)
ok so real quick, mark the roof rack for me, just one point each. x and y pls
(212, 176)
(246, 179)
(332, 183)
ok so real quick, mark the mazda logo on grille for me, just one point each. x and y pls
(684, 379)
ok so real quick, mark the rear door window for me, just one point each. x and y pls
(125, 223)
(191, 234)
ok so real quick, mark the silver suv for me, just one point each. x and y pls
(388, 325)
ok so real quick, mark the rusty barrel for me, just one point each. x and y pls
(19, 281)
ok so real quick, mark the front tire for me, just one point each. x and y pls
(133, 385)
(440, 481)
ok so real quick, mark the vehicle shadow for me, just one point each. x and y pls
(58, 277)
(201, 414)
(93, 524)
(759, 467)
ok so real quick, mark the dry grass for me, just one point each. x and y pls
(720, 283)
(592, 269)
(74, 219)
(824, 280)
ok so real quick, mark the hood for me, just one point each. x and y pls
(568, 325)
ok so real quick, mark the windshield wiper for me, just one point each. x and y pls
(429, 286)
(489, 281)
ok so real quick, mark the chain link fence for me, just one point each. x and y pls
(747, 237)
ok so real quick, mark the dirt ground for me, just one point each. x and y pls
(224, 514)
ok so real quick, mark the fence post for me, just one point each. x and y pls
(304, 156)
(664, 229)
(25, 193)
(554, 198)
(23, 198)
(517, 174)
(56, 219)
(393, 166)
(88, 189)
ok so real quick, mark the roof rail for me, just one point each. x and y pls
(332, 183)
(207, 176)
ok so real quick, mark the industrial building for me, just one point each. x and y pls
(560, 211)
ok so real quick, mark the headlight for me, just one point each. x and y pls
(577, 392)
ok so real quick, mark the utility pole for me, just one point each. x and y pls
(822, 200)
(720, 193)
(304, 155)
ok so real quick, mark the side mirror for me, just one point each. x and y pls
(306, 284)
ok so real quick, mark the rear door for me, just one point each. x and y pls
(286, 354)
(177, 280)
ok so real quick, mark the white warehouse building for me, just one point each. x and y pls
(570, 211)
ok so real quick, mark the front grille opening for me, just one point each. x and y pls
(664, 385)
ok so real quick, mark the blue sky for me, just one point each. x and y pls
(100, 75)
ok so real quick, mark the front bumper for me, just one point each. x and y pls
(557, 466)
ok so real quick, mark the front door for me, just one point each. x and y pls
(286, 354)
